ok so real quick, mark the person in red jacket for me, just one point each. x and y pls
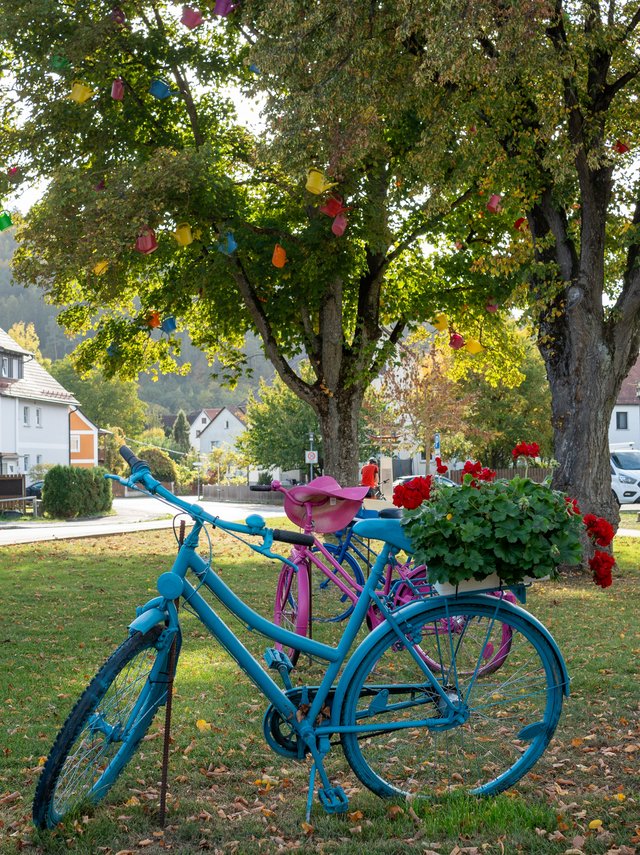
(369, 477)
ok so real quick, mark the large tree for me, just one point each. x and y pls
(116, 168)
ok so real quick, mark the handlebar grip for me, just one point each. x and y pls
(260, 488)
(130, 458)
(293, 537)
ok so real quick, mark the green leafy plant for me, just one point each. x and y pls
(514, 528)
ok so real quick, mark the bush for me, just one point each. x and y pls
(70, 491)
(162, 466)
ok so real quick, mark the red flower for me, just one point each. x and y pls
(599, 529)
(478, 473)
(412, 494)
(526, 449)
(440, 467)
(572, 505)
(601, 565)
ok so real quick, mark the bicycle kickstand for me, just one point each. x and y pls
(332, 799)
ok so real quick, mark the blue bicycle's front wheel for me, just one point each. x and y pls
(506, 717)
(104, 728)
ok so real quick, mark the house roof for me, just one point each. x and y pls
(213, 413)
(630, 386)
(36, 384)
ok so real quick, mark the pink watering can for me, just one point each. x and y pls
(80, 92)
(333, 206)
(317, 183)
(5, 221)
(117, 89)
(456, 341)
(147, 243)
(339, 225)
(191, 18)
(224, 8)
(183, 234)
(491, 306)
(279, 257)
(493, 205)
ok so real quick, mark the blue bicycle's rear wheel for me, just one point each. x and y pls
(104, 728)
(507, 716)
(328, 601)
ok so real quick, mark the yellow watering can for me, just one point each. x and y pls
(101, 267)
(440, 322)
(317, 183)
(80, 92)
(473, 346)
(183, 234)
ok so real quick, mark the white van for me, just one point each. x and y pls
(625, 473)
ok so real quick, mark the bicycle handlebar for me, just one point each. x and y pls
(260, 488)
(293, 537)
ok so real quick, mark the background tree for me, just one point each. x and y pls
(117, 168)
(107, 401)
(162, 466)
(26, 336)
(180, 432)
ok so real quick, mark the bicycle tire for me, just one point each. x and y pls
(292, 606)
(328, 602)
(510, 715)
(75, 772)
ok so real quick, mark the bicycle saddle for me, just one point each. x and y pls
(333, 506)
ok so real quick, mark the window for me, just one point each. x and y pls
(11, 367)
(75, 444)
(204, 420)
(26, 416)
(226, 424)
(215, 443)
(27, 462)
(4, 367)
(38, 459)
(622, 422)
(38, 417)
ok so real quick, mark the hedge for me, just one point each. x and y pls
(69, 492)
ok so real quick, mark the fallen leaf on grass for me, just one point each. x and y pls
(203, 725)
(355, 816)
(394, 812)
(307, 828)
(595, 823)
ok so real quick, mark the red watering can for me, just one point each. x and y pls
(620, 147)
(191, 18)
(333, 206)
(5, 221)
(279, 257)
(117, 89)
(521, 224)
(456, 341)
(147, 243)
(493, 205)
(339, 225)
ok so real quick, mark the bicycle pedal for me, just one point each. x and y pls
(277, 659)
(333, 799)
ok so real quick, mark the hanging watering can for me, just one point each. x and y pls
(440, 322)
(183, 234)
(493, 205)
(80, 92)
(224, 8)
(101, 267)
(58, 62)
(456, 341)
(160, 89)
(316, 182)
(339, 225)
(13, 174)
(117, 16)
(5, 221)
(227, 243)
(620, 147)
(117, 89)
(169, 325)
(333, 206)
(279, 257)
(191, 18)
(491, 306)
(153, 320)
(473, 346)
(113, 350)
(521, 224)
(147, 243)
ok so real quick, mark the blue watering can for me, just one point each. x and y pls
(227, 244)
(169, 325)
(161, 90)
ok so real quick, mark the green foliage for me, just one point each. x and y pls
(106, 401)
(513, 528)
(70, 491)
(180, 433)
(162, 466)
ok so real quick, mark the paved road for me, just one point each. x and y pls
(144, 513)
(132, 514)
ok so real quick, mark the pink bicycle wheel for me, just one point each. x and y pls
(292, 606)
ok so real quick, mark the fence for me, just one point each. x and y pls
(536, 473)
(239, 493)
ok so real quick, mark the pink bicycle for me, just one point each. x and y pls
(314, 572)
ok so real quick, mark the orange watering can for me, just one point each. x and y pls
(279, 257)
(153, 320)
(80, 92)
(317, 183)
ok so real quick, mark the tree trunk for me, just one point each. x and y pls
(338, 416)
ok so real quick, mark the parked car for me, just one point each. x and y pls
(35, 489)
(625, 475)
(440, 480)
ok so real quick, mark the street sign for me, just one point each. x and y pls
(436, 445)
(311, 457)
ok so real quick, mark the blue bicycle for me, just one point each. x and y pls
(405, 729)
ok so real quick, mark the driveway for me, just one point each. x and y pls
(131, 514)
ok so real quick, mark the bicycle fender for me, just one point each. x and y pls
(426, 606)
(387, 529)
(148, 619)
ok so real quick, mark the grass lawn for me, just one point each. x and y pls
(629, 519)
(65, 606)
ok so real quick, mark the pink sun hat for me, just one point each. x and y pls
(333, 506)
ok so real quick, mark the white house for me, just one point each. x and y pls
(215, 428)
(34, 412)
(624, 426)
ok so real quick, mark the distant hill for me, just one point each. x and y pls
(171, 392)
